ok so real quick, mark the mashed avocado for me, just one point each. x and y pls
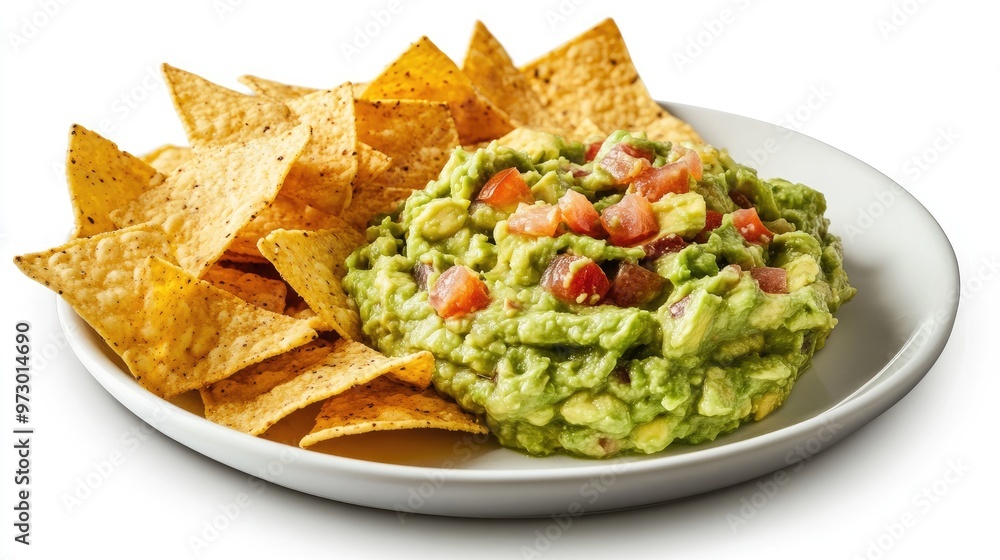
(724, 317)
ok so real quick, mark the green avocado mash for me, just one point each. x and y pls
(709, 350)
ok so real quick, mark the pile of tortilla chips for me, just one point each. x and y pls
(216, 267)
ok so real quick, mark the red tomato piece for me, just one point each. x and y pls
(579, 214)
(655, 182)
(691, 160)
(748, 223)
(636, 152)
(592, 150)
(634, 286)
(458, 291)
(622, 166)
(537, 220)
(770, 279)
(575, 279)
(662, 245)
(713, 220)
(505, 190)
(630, 221)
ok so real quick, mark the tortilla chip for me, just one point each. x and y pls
(167, 157)
(587, 131)
(491, 69)
(370, 204)
(274, 90)
(282, 213)
(253, 399)
(206, 201)
(323, 174)
(424, 72)
(371, 164)
(242, 258)
(312, 262)
(214, 115)
(102, 178)
(418, 135)
(384, 404)
(673, 129)
(174, 332)
(592, 76)
(265, 293)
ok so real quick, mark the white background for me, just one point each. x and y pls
(886, 81)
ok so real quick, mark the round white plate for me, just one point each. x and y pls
(889, 336)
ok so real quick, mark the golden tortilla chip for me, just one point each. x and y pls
(214, 115)
(312, 262)
(418, 135)
(371, 203)
(323, 174)
(253, 399)
(671, 128)
(265, 293)
(174, 332)
(282, 213)
(587, 131)
(592, 76)
(424, 72)
(273, 89)
(242, 258)
(491, 69)
(206, 201)
(384, 404)
(371, 164)
(102, 178)
(167, 157)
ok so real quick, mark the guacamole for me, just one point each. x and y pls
(606, 298)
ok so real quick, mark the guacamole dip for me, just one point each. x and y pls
(604, 298)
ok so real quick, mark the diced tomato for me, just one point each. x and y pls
(580, 173)
(537, 220)
(655, 182)
(458, 291)
(575, 279)
(748, 223)
(662, 245)
(592, 150)
(630, 221)
(713, 220)
(740, 199)
(770, 279)
(637, 152)
(421, 272)
(691, 160)
(505, 190)
(579, 214)
(622, 166)
(634, 286)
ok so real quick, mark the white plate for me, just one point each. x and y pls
(889, 336)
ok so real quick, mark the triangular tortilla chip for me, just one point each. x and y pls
(672, 129)
(491, 69)
(592, 76)
(253, 399)
(283, 213)
(206, 201)
(323, 175)
(214, 115)
(424, 72)
(273, 89)
(312, 262)
(385, 404)
(418, 135)
(174, 332)
(102, 178)
(265, 293)
(371, 203)
(371, 164)
(587, 131)
(167, 157)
